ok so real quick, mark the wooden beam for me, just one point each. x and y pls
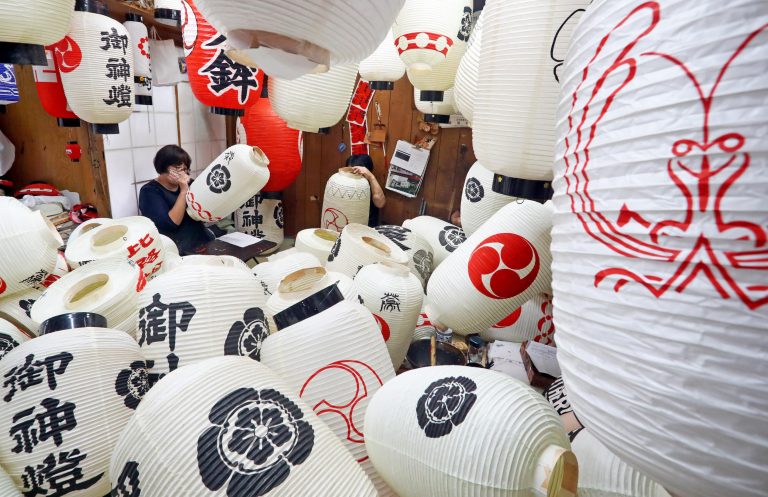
(118, 9)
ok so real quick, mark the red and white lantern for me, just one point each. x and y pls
(434, 82)
(26, 27)
(217, 81)
(347, 200)
(50, 91)
(531, 321)
(142, 69)
(284, 146)
(291, 38)
(660, 240)
(95, 62)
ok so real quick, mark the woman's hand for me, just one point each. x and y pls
(181, 178)
(361, 171)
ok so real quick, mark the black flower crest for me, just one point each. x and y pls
(451, 237)
(218, 179)
(133, 383)
(445, 404)
(257, 438)
(466, 24)
(422, 262)
(278, 214)
(474, 190)
(7, 344)
(246, 337)
(335, 249)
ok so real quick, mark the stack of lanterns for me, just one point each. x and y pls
(139, 38)
(26, 27)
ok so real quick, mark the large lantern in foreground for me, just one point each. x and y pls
(25, 27)
(660, 239)
(50, 91)
(517, 90)
(384, 67)
(96, 66)
(290, 38)
(235, 429)
(217, 81)
(142, 70)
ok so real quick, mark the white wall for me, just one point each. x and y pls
(129, 155)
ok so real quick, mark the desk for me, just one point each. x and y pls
(217, 247)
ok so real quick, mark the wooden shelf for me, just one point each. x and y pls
(118, 9)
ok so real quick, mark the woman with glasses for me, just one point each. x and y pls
(163, 200)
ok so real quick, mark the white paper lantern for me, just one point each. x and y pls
(467, 432)
(86, 227)
(303, 283)
(227, 183)
(97, 70)
(384, 67)
(317, 242)
(108, 287)
(465, 87)
(436, 111)
(359, 246)
(420, 253)
(17, 309)
(7, 487)
(10, 338)
(235, 429)
(427, 30)
(347, 199)
(85, 385)
(517, 90)
(28, 248)
(43, 22)
(142, 70)
(394, 296)
(500, 267)
(290, 37)
(434, 81)
(443, 237)
(262, 216)
(531, 321)
(203, 307)
(335, 357)
(659, 239)
(168, 12)
(135, 238)
(479, 202)
(314, 101)
(270, 273)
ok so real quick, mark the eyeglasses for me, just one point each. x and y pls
(180, 169)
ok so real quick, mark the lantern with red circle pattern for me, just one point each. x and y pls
(225, 86)
(283, 145)
(51, 92)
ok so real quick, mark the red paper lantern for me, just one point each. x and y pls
(283, 145)
(225, 86)
(51, 92)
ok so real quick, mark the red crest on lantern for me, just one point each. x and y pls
(503, 265)
(49, 88)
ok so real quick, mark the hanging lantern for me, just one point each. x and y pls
(269, 274)
(283, 145)
(384, 67)
(444, 238)
(317, 242)
(230, 180)
(436, 111)
(87, 383)
(517, 89)
(26, 27)
(337, 381)
(142, 70)
(204, 306)
(28, 248)
(168, 12)
(347, 199)
(217, 81)
(235, 429)
(659, 240)
(262, 216)
(95, 62)
(500, 267)
(360, 245)
(107, 287)
(51, 92)
(314, 101)
(530, 322)
(426, 30)
(422, 434)
(17, 309)
(135, 238)
(9, 90)
(480, 201)
(420, 253)
(303, 283)
(10, 338)
(433, 82)
(394, 296)
(291, 38)
(465, 87)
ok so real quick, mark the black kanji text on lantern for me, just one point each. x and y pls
(34, 372)
(59, 474)
(32, 426)
(159, 321)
